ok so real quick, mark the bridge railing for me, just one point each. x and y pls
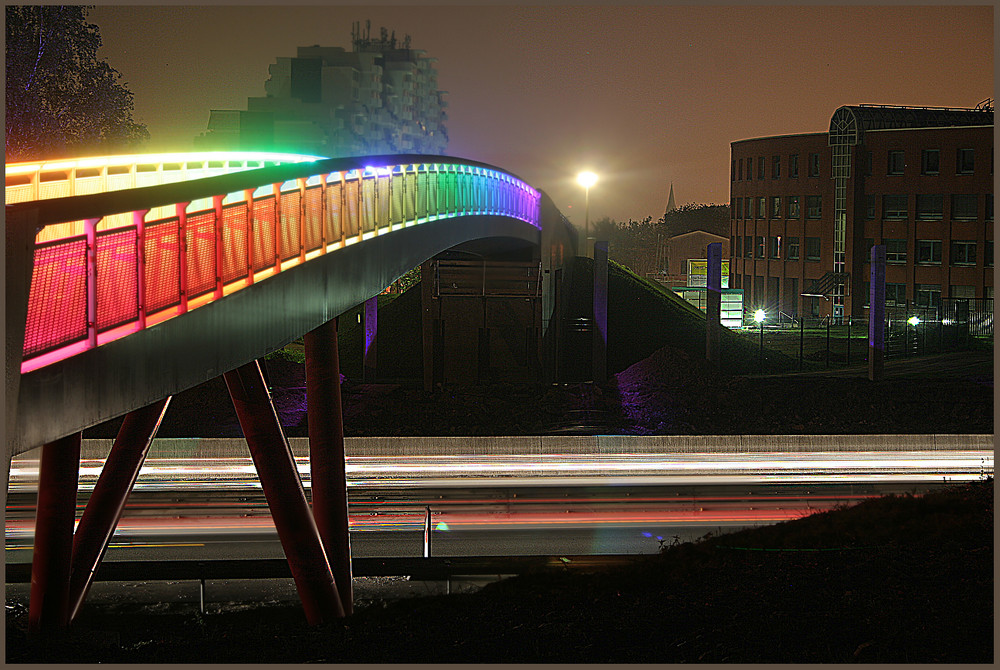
(120, 270)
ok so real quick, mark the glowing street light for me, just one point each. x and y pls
(586, 180)
(914, 321)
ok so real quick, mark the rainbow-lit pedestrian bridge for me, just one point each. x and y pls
(131, 278)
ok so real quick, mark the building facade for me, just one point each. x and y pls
(806, 210)
(380, 98)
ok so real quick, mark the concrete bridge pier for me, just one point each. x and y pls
(279, 479)
(327, 455)
(107, 501)
(48, 604)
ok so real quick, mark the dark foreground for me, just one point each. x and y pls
(897, 579)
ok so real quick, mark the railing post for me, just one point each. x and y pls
(277, 227)
(139, 219)
(90, 227)
(322, 212)
(182, 253)
(248, 197)
(219, 225)
(302, 219)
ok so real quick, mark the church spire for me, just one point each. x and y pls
(671, 205)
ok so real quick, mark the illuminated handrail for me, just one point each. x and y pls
(174, 248)
(25, 182)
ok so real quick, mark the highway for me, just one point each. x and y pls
(497, 504)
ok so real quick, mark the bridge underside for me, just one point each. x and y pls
(132, 372)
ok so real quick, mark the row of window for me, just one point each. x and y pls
(924, 295)
(928, 252)
(770, 207)
(930, 164)
(770, 247)
(928, 207)
(775, 163)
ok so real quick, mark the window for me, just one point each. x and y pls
(736, 244)
(867, 288)
(930, 207)
(989, 206)
(775, 207)
(895, 294)
(793, 166)
(963, 207)
(748, 208)
(895, 251)
(896, 162)
(793, 207)
(738, 208)
(929, 251)
(760, 167)
(966, 161)
(748, 246)
(739, 169)
(930, 161)
(961, 291)
(775, 167)
(749, 168)
(988, 254)
(760, 246)
(792, 249)
(927, 295)
(774, 247)
(812, 248)
(893, 206)
(868, 163)
(814, 206)
(813, 165)
(732, 177)
(761, 208)
(866, 249)
(963, 252)
(871, 206)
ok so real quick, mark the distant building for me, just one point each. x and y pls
(693, 245)
(806, 210)
(379, 98)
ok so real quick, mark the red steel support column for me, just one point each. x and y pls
(327, 454)
(104, 509)
(282, 487)
(48, 609)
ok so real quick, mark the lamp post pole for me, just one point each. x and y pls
(586, 180)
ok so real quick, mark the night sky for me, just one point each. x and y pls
(642, 95)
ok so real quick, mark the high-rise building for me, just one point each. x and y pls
(380, 98)
(806, 210)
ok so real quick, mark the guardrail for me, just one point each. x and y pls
(123, 261)
(416, 567)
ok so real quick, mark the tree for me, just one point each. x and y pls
(61, 99)
(686, 218)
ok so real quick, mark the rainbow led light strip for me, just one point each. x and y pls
(159, 262)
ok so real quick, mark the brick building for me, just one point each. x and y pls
(806, 210)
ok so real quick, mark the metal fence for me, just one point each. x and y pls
(804, 343)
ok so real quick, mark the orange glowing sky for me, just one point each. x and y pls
(643, 95)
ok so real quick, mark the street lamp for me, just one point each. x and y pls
(586, 180)
(759, 317)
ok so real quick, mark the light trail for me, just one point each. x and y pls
(561, 470)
